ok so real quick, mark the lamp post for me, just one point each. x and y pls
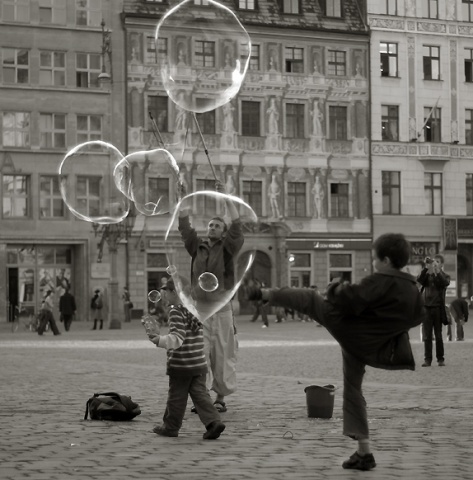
(112, 234)
(105, 77)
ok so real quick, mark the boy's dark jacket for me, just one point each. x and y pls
(370, 320)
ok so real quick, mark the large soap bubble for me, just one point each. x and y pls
(209, 289)
(145, 178)
(87, 183)
(207, 56)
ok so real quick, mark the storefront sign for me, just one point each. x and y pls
(420, 250)
(156, 244)
(100, 270)
(330, 244)
(465, 227)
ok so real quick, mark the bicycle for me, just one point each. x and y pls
(24, 321)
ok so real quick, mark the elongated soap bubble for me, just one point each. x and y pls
(146, 178)
(207, 55)
(87, 184)
(207, 289)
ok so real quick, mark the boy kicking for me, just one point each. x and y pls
(370, 321)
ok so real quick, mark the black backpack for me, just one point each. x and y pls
(111, 406)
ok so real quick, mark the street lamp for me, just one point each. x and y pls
(106, 50)
(112, 234)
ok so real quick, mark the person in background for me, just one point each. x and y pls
(260, 309)
(459, 310)
(127, 305)
(97, 307)
(46, 315)
(434, 283)
(67, 308)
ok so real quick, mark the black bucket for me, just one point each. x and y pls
(320, 400)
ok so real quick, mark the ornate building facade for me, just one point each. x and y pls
(422, 143)
(293, 143)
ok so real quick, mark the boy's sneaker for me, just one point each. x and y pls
(360, 462)
(214, 430)
(164, 432)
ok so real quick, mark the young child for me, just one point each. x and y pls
(187, 369)
(370, 322)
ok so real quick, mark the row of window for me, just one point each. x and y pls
(433, 193)
(295, 119)
(52, 12)
(432, 124)
(16, 129)
(52, 68)
(340, 265)
(430, 60)
(18, 201)
(429, 8)
(330, 8)
(205, 54)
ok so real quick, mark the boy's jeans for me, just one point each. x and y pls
(179, 389)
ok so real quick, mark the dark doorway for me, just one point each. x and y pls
(13, 295)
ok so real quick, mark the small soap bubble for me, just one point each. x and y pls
(154, 296)
(208, 282)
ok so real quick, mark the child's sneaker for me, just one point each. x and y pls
(214, 430)
(360, 462)
(164, 432)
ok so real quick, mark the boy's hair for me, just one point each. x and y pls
(395, 247)
(221, 220)
(440, 257)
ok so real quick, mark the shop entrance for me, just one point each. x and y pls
(464, 270)
(32, 271)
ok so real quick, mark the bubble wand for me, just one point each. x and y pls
(159, 138)
(156, 131)
(205, 147)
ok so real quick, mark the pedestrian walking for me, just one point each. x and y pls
(434, 283)
(218, 250)
(67, 308)
(127, 305)
(260, 309)
(46, 315)
(459, 310)
(370, 321)
(96, 305)
(187, 368)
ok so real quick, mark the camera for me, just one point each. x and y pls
(428, 260)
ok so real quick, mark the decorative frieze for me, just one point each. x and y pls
(387, 23)
(431, 27)
(389, 149)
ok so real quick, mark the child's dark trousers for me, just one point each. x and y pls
(180, 387)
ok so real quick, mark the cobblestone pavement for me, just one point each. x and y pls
(419, 431)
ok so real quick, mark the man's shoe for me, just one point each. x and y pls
(164, 432)
(360, 462)
(427, 364)
(441, 363)
(264, 326)
(214, 430)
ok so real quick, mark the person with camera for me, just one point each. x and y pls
(434, 283)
